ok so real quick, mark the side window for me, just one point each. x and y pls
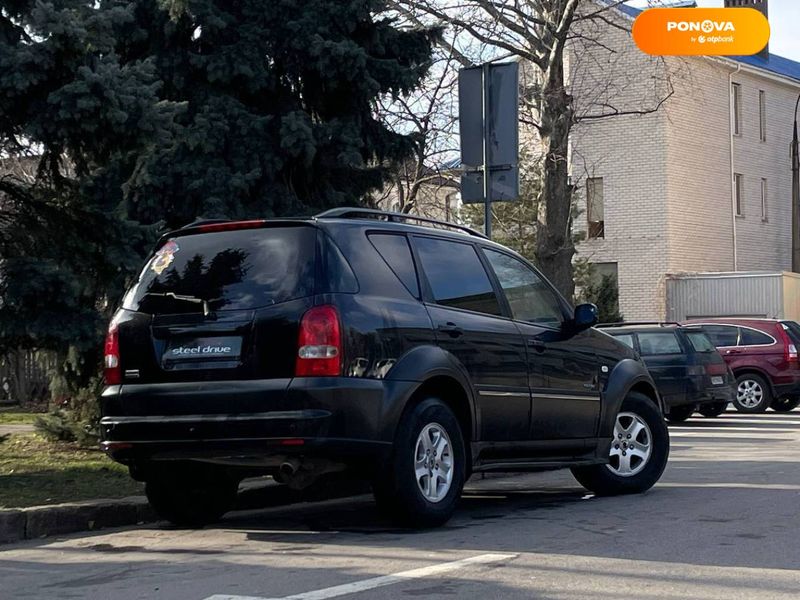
(626, 339)
(595, 210)
(457, 276)
(751, 337)
(722, 335)
(653, 344)
(528, 295)
(700, 341)
(394, 249)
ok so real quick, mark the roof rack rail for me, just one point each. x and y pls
(639, 324)
(371, 213)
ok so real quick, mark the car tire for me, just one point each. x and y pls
(411, 491)
(713, 410)
(785, 403)
(679, 414)
(644, 420)
(753, 394)
(191, 497)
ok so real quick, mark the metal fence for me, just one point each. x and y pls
(24, 376)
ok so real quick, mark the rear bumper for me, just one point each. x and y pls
(250, 422)
(701, 391)
(723, 393)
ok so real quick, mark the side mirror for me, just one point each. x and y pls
(585, 317)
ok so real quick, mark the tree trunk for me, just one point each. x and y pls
(554, 246)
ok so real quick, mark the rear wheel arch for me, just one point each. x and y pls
(755, 371)
(450, 391)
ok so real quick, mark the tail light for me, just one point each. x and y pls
(791, 353)
(720, 369)
(789, 348)
(319, 345)
(112, 369)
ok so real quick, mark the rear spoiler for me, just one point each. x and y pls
(214, 225)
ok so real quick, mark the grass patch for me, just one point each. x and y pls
(17, 418)
(34, 471)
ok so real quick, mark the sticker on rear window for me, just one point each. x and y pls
(164, 256)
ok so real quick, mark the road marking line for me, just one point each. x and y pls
(723, 434)
(376, 582)
(677, 431)
(724, 421)
(740, 486)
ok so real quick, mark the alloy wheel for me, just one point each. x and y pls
(749, 393)
(632, 445)
(433, 462)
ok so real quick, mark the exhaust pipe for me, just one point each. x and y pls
(286, 471)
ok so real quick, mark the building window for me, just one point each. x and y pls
(763, 199)
(762, 114)
(738, 194)
(736, 100)
(595, 209)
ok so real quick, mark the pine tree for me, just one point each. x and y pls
(74, 122)
(144, 114)
(279, 104)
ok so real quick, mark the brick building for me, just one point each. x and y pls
(702, 184)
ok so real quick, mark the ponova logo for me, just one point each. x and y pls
(707, 26)
(701, 31)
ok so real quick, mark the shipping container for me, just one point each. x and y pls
(772, 295)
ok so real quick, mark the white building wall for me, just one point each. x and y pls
(667, 176)
(629, 152)
(765, 245)
(700, 209)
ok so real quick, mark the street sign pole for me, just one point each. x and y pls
(795, 195)
(488, 110)
(487, 181)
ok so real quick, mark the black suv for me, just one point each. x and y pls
(689, 372)
(410, 355)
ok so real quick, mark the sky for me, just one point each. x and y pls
(784, 19)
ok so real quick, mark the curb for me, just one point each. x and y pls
(17, 524)
(41, 521)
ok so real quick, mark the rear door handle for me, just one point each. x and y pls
(451, 329)
(537, 345)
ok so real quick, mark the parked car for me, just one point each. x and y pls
(689, 372)
(411, 355)
(762, 353)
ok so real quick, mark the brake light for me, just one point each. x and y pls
(789, 349)
(717, 369)
(231, 225)
(319, 345)
(112, 369)
(791, 353)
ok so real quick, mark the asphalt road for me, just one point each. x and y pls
(723, 523)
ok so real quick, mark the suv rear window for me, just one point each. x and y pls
(793, 329)
(700, 341)
(230, 270)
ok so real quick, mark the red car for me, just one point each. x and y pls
(762, 353)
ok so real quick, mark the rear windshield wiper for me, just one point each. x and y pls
(181, 297)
